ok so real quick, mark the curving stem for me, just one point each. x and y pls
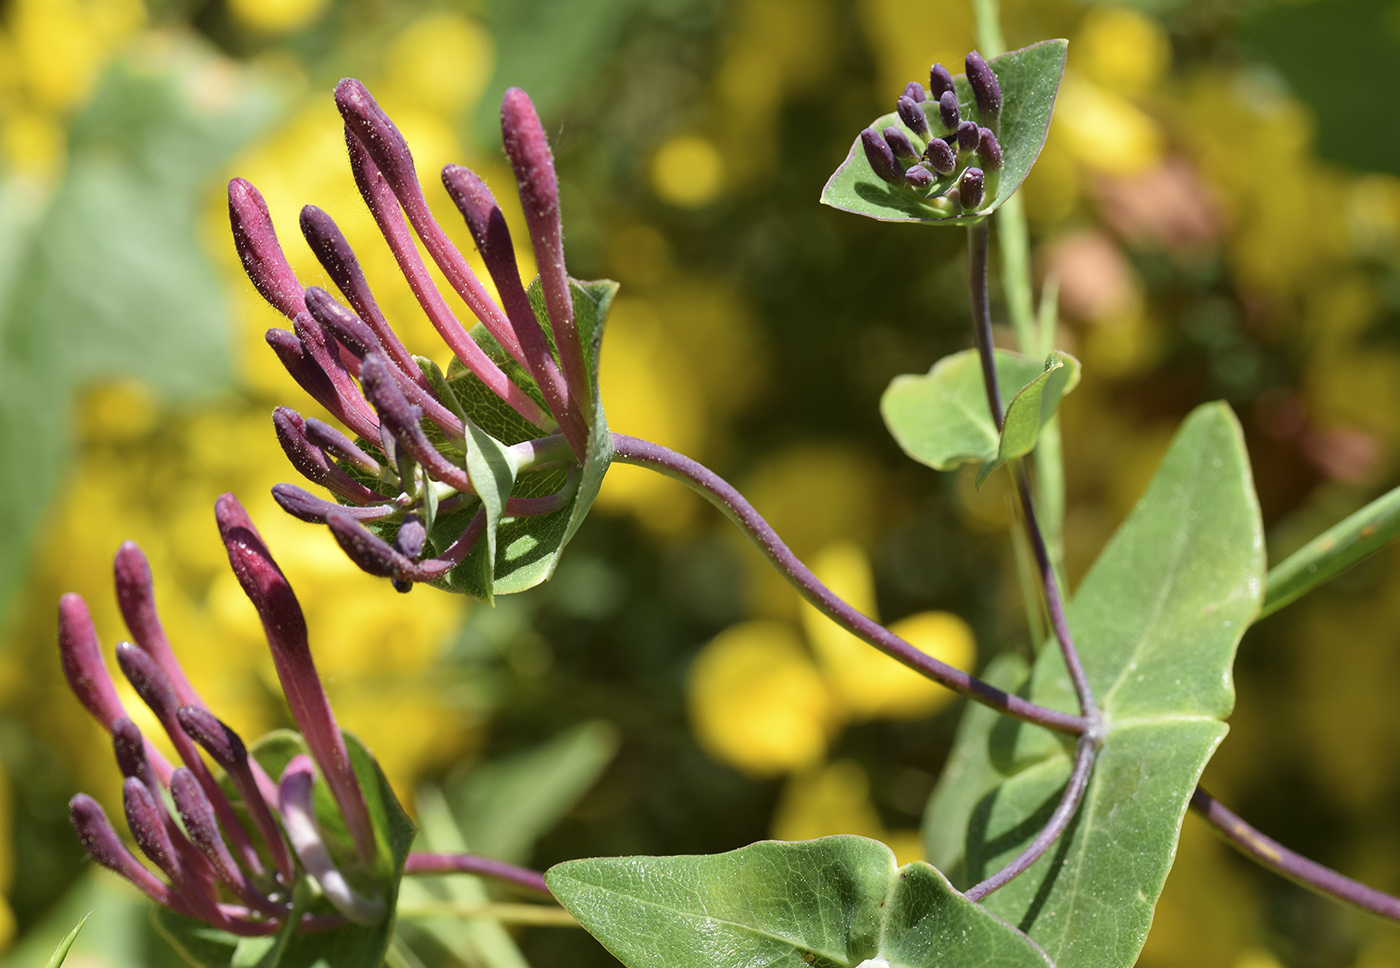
(424, 863)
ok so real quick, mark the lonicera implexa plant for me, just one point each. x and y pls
(1052, 831)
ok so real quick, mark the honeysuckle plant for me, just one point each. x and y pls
(1053, 829)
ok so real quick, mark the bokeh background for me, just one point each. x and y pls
(1218, 199)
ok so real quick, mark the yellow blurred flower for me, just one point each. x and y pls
(441, 62)
(1103, 129)
(277, 16)
(1121, 49)
(835, 799)
(687, 171)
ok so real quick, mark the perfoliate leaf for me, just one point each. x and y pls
(837, 902)
(492, 472)
(1156, 622)
(1029, 80)
(941, 418)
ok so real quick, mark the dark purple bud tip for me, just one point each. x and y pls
(263, 582)
(412, 536)
(332, 251)
(473, 199)
(148, 680)
(879, 155)
(984, 87)
(968, 136)
(261, 254)
(919, 178)
(81, 657)
(912, 115)
(340, 322)
(971, 188)
(988, 150)
(147, 824)
(939, 80)
(948, 110)
(915, 92)
(904, 151)
(95, 831)
(529, 154)
(222, 744)
(308, 459)
(196, 812)
(366, 120)
(370, 552)
(941, 156)
(130, 748)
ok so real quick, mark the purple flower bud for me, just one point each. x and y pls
(941, 156)
(404, 421)
(984, 88)
(915, 92)
(312, 509)
(136, 599)
(968, 137)
(197, 814)
(130, 748)
(312, 462)
(350, 407)
(971, 189)
(366, 120)
(299, 818)
(412, 536)
(904, 151)
(149, 682)
(345, 326)
(258, 248)
(912, 115)
(988, 150)
(919, 178)
(103, 845)
(371, 553)
(81, 657)
(333, 442)
(879, 155)
(948, 110)
(939, 80)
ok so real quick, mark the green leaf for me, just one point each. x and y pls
(836, 902)
(1156, 621)
(1333, 552)
(941, 418)
(352, 946)
(492, 472)
(60, 953)
(527, 549)
(1029, 79)
(504, 807)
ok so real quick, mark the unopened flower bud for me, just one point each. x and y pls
(130, 748)
(258, 248)
(912, 115)
(366, 120)
(968, 138)
(915, 92)
(939, 81)
(81, 657)
(350, 330)
(307, 507)
(988, 150)
(971, 188)
(904, 151)
(948, 111)
(941, 156)
(412, 536)
(880, 156)
(919, 178)
(984, 88)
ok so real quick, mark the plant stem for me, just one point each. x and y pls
(1084, 755)
(534, 914)
(1271, 854)
(720, 493)
(425, 863)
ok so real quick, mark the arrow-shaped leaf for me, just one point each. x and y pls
(1031, 409)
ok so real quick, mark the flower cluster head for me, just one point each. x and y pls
(420, 482)
(937, 152)
(236, 878)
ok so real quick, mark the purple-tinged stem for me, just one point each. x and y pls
(404, 421)
(303, 368)
(333, 442)
(487, 225)
(285, 626)
(255, 787)
(87, 675)
(1269, 853)
(155, 691)
(299, 819)
(312, 462)
(720, 493)
(258, 248)
(197, 814)
(308, 507)
(324, 351)
(529, 154)
(137, 601)
(1085, 752)
(424, 863)
(377, 557)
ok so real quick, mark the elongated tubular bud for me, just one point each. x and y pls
(325, 352)
(197, 814)
(137, 601)
(147, 821)
(948, 111)
(155, 691)
(984, 86)
(912, 114)
(375, 556)
(258, 248)
(989, 156)
(310, 377)
(904, 151)
(285, 626)
(488, 227)
(919, 178)
(941, 156)
(939, 80)
(403, 420)
(880, 157)
(299, 817)
(308, 507)
(387, 215)
(338, 259)
(968, 136)
(971, 188)
(105, 846)
(312, 462)
(336, 444)
(528, 150)
(254, 786)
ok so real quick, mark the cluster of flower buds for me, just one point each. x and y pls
(216, 870)
(949, 161)
(407, 470)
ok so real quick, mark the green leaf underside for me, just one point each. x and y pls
(830, 903)
(527, 550)
(1156, 622)
(60, 954)
(492, 473)
(1029, 79)
(1333, 552)
(353, 946)
(941, 418)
